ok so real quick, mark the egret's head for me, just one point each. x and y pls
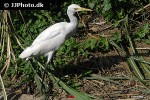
(75, 8)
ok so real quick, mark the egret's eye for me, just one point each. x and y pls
(75, 8)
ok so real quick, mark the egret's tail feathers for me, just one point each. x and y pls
(26, 53)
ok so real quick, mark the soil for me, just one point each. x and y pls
(109, 64)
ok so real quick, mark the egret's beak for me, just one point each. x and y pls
(83, 9)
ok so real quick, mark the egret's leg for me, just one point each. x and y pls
(49, 57)
(28, 58)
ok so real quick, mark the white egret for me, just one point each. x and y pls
(54, 36)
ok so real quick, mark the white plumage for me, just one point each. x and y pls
(54, 36)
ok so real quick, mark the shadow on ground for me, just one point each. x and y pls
(94, 64)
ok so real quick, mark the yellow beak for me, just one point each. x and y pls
(83, 9)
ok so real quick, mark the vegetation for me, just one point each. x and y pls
(129, 21)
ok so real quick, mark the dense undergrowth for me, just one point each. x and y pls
(19, 29)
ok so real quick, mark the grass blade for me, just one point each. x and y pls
(3, 88)
(97, 77)
(134, 66)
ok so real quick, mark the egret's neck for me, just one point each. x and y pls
(72, 17)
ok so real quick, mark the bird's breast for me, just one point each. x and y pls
(70, 29)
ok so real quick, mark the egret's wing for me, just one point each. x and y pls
(49, 33)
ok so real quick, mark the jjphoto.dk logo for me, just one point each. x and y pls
(15, 5)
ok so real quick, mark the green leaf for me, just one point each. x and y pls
(91, 5)
(93, 43)
(116, 23)
(107, 6)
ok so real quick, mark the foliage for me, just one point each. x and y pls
(24, 26)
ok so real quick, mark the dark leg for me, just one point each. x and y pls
(43, 72)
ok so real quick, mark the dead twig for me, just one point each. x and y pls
(145, 7)
(143, 48)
